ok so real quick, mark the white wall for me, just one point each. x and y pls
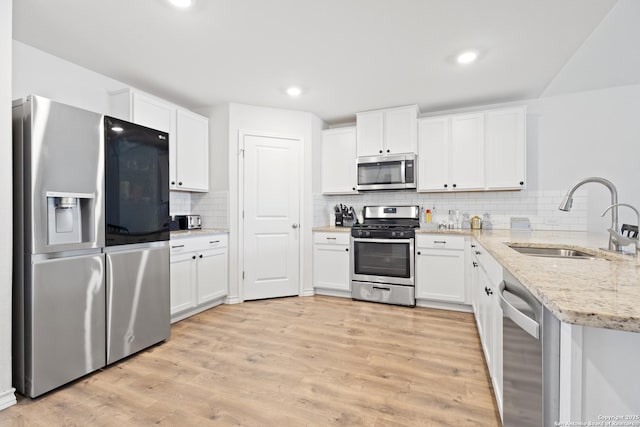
(595, 133)
(7, 397)
(40, 73)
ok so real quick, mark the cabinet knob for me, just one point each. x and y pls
(475, 264)
(173, 183)
(419, 252)
(180, 183)
(347, 249)
(521, 182)
(200, 255)
(478, 252)
(193, 257)
(488, 291)
(473, 246)
(353, 188)
(446, 185)
(454, 185)
(388, 151)
(380, 151)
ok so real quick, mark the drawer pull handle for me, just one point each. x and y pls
(444, 242)
(478, 252)
(382, 289)
(214, 241)
(177, 246)
(331, 238)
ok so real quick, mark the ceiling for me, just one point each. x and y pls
(347, 55)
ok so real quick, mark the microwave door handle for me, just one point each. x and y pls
(403, 172)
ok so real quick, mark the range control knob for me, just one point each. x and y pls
(393, 234)
(401, 234)
(359, 233)
(367, 234)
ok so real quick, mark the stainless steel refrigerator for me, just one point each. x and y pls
(77, 303)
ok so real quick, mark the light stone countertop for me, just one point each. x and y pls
(603, 293)
(202, 232)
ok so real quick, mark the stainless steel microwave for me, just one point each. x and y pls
(387, 172)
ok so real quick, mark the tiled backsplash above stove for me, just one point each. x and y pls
(541, 207)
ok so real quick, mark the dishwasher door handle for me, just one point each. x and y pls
(527, 324)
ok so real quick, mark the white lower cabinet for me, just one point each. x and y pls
(485, 276)
(199, 274)
(331, 266)
(440, 268)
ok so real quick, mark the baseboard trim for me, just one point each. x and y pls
(307, 293)
(7, 398)
(333, 293)
(444, 305)
(232, 300)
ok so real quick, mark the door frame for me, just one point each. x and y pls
(301, 223)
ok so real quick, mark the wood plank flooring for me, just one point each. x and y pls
(311, 361)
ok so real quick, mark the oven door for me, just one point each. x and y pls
(383, 261)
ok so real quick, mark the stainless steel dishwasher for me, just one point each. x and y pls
(531, 358)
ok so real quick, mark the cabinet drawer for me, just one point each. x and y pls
(336, 238)
(198, 243)
(440, 241)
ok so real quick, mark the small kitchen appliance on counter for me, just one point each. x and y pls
(189, 222)
(382, 255)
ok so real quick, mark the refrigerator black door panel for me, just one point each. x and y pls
(136, 183)
(66, 323)
(138, 313)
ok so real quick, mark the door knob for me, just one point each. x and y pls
(294, 225)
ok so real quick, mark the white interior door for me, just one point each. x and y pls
(271, 216)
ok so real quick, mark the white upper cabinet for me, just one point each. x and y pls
(433, 158)
(188, 135)
(387, 132)
(467, 152)
(505, 148)
(370, 133)
(476, 151)
(338, 167)
(192, 151)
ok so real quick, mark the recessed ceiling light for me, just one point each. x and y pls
(467, 57)
(181, 3)
(294, 91)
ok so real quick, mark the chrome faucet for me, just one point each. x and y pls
(619, 238)
(568, 201)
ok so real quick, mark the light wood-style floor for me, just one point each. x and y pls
(309, 361)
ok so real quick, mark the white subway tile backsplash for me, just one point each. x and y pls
(540, 206)
(179, 203)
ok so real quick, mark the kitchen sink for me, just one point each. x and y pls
(553, 252)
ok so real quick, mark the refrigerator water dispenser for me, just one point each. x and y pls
(66, 221)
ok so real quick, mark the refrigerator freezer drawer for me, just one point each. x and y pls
(65, 326)
(138, 313)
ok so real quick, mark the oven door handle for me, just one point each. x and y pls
(382, 240)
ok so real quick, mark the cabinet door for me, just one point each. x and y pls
(497, 346)
(338, 168)
(183, 281)
(400, 130)
(212, 275)
(440, 275)
(153, 113)
(505, 149)
(192, 157)
(433, 154)
(467, 152)
(486, 317)
(331, 267)
(370, 133)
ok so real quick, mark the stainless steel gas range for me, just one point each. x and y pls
(382, 255)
